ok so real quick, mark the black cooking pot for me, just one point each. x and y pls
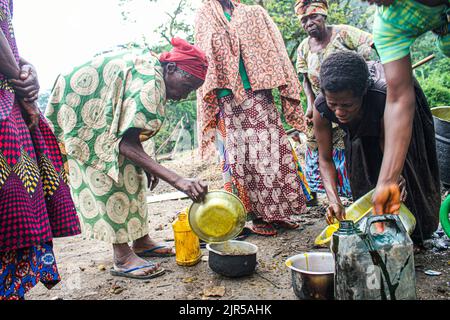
(233, 258)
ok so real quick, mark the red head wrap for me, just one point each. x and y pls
(187, 57)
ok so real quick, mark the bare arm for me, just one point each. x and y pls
(131, 148)
(323, 133)
(398, 120)
(8, 64)
(11, 69)
(310, 97)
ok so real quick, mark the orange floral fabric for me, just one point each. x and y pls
(305, 8)
(253, 36)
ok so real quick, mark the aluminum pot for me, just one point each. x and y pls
(312, 275)
(233, 258)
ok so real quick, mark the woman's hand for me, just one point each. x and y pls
(309, 113)
(30, 113)
(335, 211)
(27, 86)
(153, 181)
(195, 189)
(386, 199)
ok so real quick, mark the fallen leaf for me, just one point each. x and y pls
(101, 267)
(119, 290)
(189, 280)
(115, 289)
(277, 253)
(214, 291)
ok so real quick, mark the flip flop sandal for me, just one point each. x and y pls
(150, 253)
(287, 225)
(246, 232)
(270, 231)
(128, 273)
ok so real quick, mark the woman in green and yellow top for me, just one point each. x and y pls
(102, 114)
(398, 23)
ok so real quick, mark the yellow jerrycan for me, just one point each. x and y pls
(187, 244)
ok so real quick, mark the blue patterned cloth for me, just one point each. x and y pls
(313, 173)
(21, 270)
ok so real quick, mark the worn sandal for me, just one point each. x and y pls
(129, 273)
(263, 229)
(151, 253)
(287, 225)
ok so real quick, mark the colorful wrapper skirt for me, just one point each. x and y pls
(259, 164)
(313, 172)
(21, 270)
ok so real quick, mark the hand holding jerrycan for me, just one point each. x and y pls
(187, 244)
(374, 266)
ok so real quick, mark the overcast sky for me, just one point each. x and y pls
(57, 34)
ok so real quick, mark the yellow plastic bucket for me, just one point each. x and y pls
(358, 212)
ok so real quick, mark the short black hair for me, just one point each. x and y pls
(344, 71)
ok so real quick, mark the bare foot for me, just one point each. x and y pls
(262, 228)
(290, 225)
(145, 243)
(126, 259)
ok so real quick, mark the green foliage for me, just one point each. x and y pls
(176, 25)
(434, 76)
(175, 111)
(436, 84)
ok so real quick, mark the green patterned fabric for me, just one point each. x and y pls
(90, 109)
(397, 27)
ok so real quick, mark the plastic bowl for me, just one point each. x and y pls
(358, 212)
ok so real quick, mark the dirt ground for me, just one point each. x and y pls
(84, 264)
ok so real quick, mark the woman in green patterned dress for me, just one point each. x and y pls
(102, 112)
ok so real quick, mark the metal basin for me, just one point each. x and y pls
(233, 258)
(221, 217)
(312, 275)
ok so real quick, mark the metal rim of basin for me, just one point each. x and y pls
(290, 262)
(255, 249)
(238, 229)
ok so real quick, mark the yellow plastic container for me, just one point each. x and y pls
(358, 212)
(187, 244)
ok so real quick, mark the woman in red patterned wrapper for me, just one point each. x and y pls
(35, 201)
(236, 110)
